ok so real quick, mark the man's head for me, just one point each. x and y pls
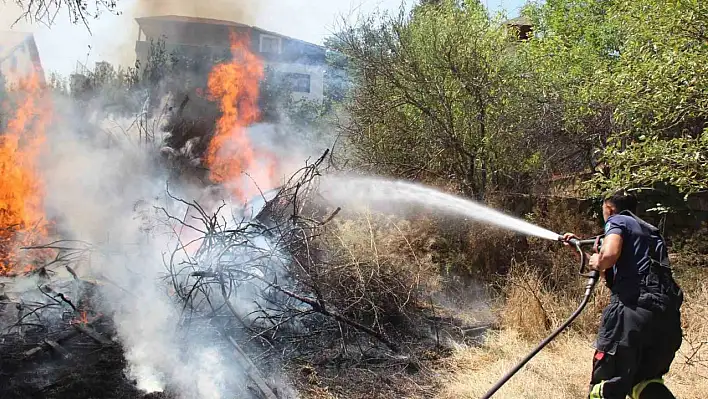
(617, 202)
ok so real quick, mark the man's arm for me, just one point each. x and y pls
(609, 253)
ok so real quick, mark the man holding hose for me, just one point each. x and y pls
(641, 327)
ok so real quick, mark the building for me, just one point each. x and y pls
(522, 25)
(302, 63)
(19, 56)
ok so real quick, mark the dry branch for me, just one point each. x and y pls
(46, 11)
(270, 261)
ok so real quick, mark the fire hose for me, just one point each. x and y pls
(592, 277)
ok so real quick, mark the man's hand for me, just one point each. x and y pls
(567, 237)
(594, 261)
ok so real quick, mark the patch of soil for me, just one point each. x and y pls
(98, 375)
(357, 373)
(86, 370)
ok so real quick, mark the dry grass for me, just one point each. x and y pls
(559, 372)
(377, 268)
(690, 371)
(533, 309)
(538, 291)
(562, 369)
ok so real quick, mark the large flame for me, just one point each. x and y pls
(22, 220)
(231, 154)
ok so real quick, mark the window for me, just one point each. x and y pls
(270, 44)
(300, 82)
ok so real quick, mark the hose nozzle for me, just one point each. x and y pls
(577, 242)
(571, 241)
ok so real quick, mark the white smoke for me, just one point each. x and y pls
(104, 186)
(111, 194)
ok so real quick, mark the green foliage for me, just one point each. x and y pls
(636, 72)
(336, 82)
(612, 91)
(433, 97)
(660, 91)
(680, 162)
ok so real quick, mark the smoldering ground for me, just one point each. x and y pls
(105, 187)
(94, 189)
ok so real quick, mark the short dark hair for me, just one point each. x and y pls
(623, 200)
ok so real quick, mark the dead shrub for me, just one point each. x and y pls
(533, 310)
(376, 268)
(490, 250)
(524, 306)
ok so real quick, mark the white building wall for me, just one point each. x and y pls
(316, 74)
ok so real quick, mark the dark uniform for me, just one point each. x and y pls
(641, 327)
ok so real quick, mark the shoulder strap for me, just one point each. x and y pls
(657, 247)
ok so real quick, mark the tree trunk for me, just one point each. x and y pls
(482, 133)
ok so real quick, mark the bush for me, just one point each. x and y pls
(376, 269)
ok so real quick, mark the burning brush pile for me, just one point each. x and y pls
(114, 283)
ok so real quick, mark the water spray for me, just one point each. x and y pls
(382, 192)
(592, 277)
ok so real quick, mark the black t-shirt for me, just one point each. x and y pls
(634, 261)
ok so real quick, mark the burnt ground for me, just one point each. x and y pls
(97, 375)
(92, 370)
(61, 353)
(82, 368)
(62, 361)
(353, 372)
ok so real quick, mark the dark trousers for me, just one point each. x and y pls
(635, 344)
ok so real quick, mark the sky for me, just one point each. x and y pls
(113, 36)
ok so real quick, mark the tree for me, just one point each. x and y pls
(435, 97)
(631, 77)
(659, 89)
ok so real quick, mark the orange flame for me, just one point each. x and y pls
(230, 154)
(82, 319)
(22, 219)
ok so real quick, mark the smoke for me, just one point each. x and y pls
(112, 194)
(95, 189)
(242, 11)
(289, 145)
(106, 187)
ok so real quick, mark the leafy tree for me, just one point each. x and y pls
(336, 81)
(631, 81)
(660, 92)
(435, 96)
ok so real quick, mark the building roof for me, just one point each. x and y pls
(12, 41)
(519, 21)
(218, 22)
(195, 20)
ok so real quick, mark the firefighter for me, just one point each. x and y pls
(641, 327)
